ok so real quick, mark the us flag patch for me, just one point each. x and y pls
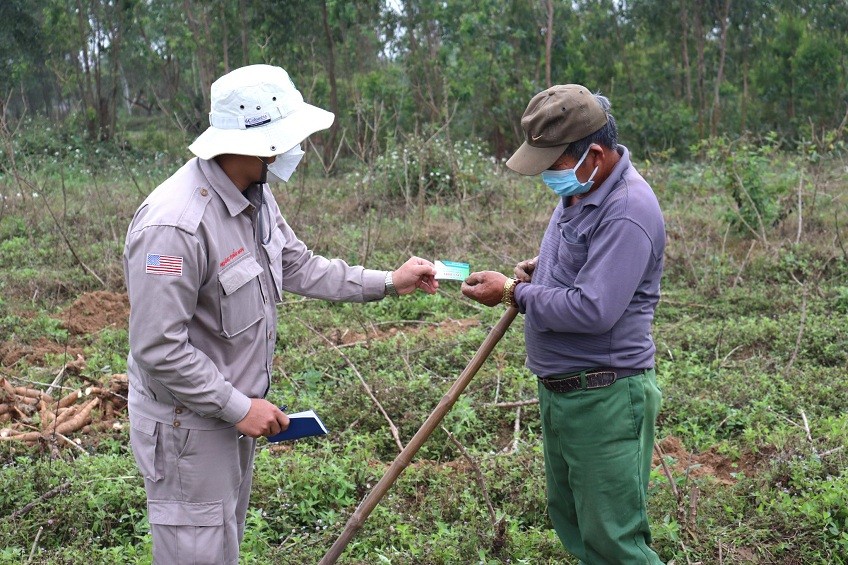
(157, 264)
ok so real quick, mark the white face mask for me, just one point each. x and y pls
(285, 164)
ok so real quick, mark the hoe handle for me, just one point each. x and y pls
(402, 460)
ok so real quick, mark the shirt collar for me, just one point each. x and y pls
(233, 198)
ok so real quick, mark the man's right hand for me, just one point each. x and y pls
(263, 419)
(524, 270)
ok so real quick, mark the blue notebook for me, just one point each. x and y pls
(301, 424)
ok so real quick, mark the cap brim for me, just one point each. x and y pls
(263, 141)
(530, 160)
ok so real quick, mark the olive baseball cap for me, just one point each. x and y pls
(553, 119)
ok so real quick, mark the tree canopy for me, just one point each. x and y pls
(677, 71)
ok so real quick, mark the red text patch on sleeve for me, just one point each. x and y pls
(157, 264)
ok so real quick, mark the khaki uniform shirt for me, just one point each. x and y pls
(203, 285)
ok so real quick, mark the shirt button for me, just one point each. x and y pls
(204, 192)
(178, 411)
(176, 423)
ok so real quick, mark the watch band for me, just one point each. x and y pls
(390, 285)
(508, 298)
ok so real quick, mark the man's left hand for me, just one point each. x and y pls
(415, 273)
(486, 287)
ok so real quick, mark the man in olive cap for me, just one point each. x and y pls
(589, 299)
(207, 258)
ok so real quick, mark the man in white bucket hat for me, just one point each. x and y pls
(208, 256)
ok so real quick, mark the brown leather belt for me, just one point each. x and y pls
(593, 378)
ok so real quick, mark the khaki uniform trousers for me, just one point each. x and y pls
(198, 488)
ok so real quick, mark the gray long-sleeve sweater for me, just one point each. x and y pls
(597, 282)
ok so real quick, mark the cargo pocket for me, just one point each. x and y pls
(572, 253)
(196, 528)
(147, 447)
(241, 296)
(274, 252)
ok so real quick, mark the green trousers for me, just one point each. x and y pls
(598, 445)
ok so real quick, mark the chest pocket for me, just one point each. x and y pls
(241, 296)
(274, 251)
(572, 253)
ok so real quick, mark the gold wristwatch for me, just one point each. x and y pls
(508, 298)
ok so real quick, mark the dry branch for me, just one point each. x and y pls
(367, 388)
(479, 474)
(46, 496)
(515, 404)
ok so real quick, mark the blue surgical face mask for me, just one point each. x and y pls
(564, 183)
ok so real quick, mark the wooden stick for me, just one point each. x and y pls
(403, 459)
(34, 544)
(70, 442)
(516, 404)
(47, 495)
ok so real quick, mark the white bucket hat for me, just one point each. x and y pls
(256, 110)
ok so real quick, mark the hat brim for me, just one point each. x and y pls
(530, 160)
(263, 141)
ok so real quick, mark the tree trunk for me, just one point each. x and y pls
(199, 26)
(622, 52)
(700, 44)
(720, 75)
(85, 86)
(245, 26)
(225, 40)
(329, 147)
(684, 43)
(549, 37)
(744, 117)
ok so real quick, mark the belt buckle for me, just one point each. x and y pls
(600, 379)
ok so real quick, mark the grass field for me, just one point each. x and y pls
(751, 333)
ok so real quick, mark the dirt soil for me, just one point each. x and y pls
(90, 313)
(94, 311)
(33, 353)
(708, 463)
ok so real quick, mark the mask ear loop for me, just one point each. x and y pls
(580, 162)
(262, 206)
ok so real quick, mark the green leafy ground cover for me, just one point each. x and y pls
(752, 334)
